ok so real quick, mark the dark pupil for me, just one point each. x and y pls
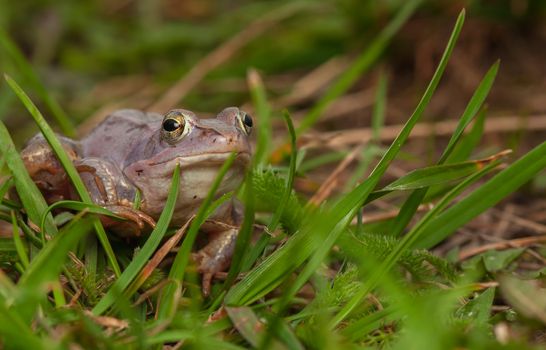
(247, 120)
(171, 125)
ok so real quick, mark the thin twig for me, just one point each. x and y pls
(383, 216)
(514, 243)
(162, 252)
(347, 137)
(333, 180)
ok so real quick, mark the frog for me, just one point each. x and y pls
(127, 162)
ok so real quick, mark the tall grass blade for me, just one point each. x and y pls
(15, 334)
(416, 198)
(67, 165)
(245, 234)
(291, 172)
(263, 115)
(408, 240)
(321, 231)
(500, 186)
(472, 109)
(153, 241)
(47, 265)
(254, 254)
(31, 197)
(21, 251)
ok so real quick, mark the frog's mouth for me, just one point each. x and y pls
(241, 158)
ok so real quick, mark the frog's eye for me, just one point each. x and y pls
(174, 127)
(245, 120)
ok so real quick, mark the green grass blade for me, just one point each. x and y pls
(30, 195)
(470, 141)
(255, 253)
(8, 290)
(67, 165)
(347, 207)
(378, 118)
(21, 251)
(26, 70)
(416, 198)
(47, 265)
(500, 186)
(472, 109)
(263, 115)
(359, 66)
(139, 261)
(416, 232)
(435, 175)
(15, 334)
(245, 234)
(166, 307)
(6, 185)
(79, 206)
(291, 172)
(461, 152)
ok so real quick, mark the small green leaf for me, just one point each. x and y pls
(478, 310)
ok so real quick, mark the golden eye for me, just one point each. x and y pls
(245, 121)
(174, 127)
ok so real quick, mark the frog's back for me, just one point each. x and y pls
(119, 133)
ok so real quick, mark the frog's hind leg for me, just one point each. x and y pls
(45, 169)
(216, 255)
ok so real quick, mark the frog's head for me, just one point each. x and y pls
(200, 146)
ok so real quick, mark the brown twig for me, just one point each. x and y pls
(383, 216)
(311, 83)
(343, 138)
(514, 243)
(221, 54)
(333, 180)
(528, 224)
(162, 252)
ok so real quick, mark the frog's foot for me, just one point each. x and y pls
(215, 256)
(137, 220)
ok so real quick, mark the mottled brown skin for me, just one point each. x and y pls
(131, 150)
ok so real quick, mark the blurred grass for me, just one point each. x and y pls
(319, 281)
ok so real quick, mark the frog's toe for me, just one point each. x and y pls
(216, 256)
(208, 266)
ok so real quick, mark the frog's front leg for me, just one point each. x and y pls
(109, 188)
(216, 255)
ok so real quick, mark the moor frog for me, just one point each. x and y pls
(134, 151)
